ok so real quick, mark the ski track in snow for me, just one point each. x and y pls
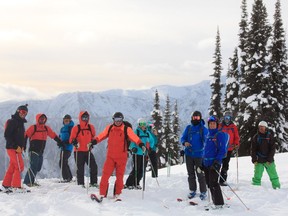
(53, 198)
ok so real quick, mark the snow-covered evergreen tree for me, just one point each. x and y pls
(157, 117)
(278, 74)
(231, 101)
(254, 103)
(175, 133)
(215, 104)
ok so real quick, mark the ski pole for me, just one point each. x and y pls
(153, 170)
(61, 165)
(237, 179)
(143, 170)
(232, 189)
(136, 175)
(89, 169)
(30, 169)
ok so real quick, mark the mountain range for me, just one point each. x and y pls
(101, 106)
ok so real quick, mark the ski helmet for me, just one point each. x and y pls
(118, 115)
(227, 117)
(142, 122)
(213, 119)
(263, 123)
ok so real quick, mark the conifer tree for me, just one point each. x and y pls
(175, 134)
(157, 117)
(231, 101)
(254, 101)
(215, 104)
(278, 74)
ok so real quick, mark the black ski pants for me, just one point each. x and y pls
(212, 182)
(154, 163)
(225, 167)
(66, 172)
(136, 173)
(81, 158)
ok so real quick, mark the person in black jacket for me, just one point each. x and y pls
(262, 153)
(15, 144)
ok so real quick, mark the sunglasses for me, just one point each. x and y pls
(196, 118)
(118, 119)
(23, 112)
(85, 117)
(142, 124)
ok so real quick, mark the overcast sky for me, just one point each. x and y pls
(53, 46)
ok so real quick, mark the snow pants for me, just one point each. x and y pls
(154, 163)
(136, 173)
(16, 166)
(66, 172)
(225, 167)
(81, 158)
(272, 173)
(36, 161)
(212, 182)
(119, 164)
(192, 165)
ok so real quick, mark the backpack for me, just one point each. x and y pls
(126, 125)
(80, 129)
(35, 130)
(200, 132)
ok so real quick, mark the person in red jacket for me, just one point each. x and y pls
(229, 127)
(117, 153)
(37, 135)
(15, 143)
(82, 135)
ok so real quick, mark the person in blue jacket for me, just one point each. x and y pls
(215, 150)
(193, 139)
(136, 173)
(66, 148)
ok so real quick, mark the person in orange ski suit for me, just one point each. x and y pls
(117, 153)
(82, 136)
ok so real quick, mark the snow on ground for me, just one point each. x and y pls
(53, 198)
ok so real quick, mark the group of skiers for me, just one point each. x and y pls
(208, 152)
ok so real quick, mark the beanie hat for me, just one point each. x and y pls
(197, 113)
(196, 121)
(263, 123)
(67, 116)
(22, 107)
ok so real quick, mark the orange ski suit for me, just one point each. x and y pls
(116, 157)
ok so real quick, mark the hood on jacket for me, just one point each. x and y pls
(38, 117)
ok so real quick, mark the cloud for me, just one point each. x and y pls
(14, 92)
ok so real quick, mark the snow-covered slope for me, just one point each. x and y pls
(101, 105)
(51, 198)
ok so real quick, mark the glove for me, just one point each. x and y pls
(182, 152)
(19, 149)
(94, 142)
(134, 150)
(89, 146)
(142, 146)
(216, 166)
(75, 143)
(60, 144)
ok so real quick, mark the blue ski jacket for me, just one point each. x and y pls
(64, 135)
(195, 135)
(146, 138)
(215, 148)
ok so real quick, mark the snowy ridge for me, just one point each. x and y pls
(53, 198)
(101, 105)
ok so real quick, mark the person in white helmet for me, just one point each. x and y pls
(262, 153)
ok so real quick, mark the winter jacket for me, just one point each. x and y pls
(195, 135)
(215, 147)
(14, 132)
(117, 146)
(38, 135)
(232, 130)
(263, 147)
(84, 136)
(146, 138)
(64, 135)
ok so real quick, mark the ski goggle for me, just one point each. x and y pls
(228, 118)
(23, 112)
(85, 118)
(118, 119)
(142, 124)
(196, 118)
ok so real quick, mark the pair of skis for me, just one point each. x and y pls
(97, 199)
